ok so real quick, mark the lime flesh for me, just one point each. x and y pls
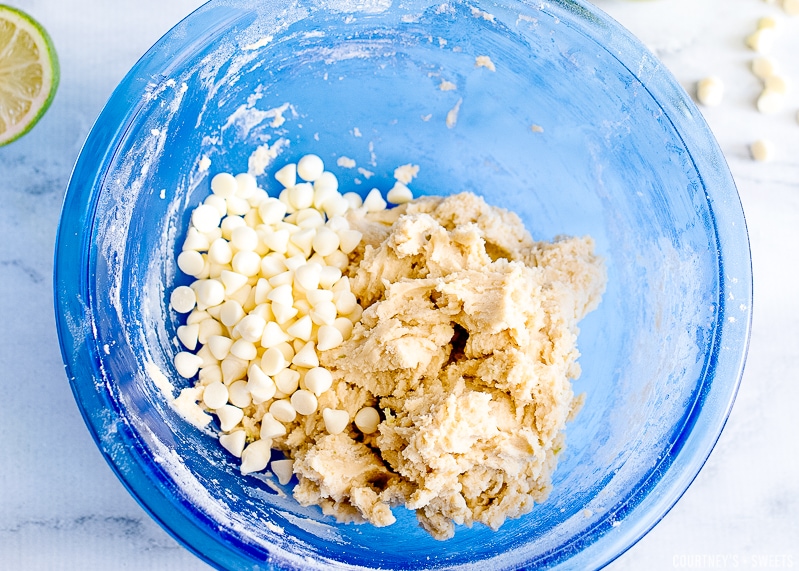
(29, 73)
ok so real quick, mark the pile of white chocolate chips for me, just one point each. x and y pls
(419, 355)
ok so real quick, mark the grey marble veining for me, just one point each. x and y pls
(61, 507)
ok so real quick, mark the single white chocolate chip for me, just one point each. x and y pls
(188, 335)
(255, 456)
(183, 299)
(283, 411)
(234, 442)
(239, 394)
(710, 91)
(215, 395)
(219, 345)
(205, 218)
(283, 469)
(318, 380)
(287, 381)
(399, 194)
(330, 336)
(229, 416)
(776, 83)
(335, 420)
(770, 102)
(367, 420)
(762, 150)
(304, 402)
(271, 427)
(762, 40)
(272, 361)
(187, 364)
(191, 262)
(310, 167)
(306, 357)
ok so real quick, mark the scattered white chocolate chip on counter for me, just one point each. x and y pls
(762, 150)
(791, 7)
(710, 91)
(762, 40)
(764, 67)
(770, 101)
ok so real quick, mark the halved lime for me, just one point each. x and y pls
(29, 73)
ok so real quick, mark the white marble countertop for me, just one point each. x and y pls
(61, 507)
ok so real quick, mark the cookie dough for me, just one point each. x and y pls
(467, 348)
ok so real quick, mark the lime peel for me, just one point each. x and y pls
(29, 73)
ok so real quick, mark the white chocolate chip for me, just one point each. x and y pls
(244, 238)
(273, 361)
(259, 384)
(273, 335)
(283, 469)
(710, 91)
(310, 167)
(283, 411)
(304, 402)
(791, 7)
(770, 102)
(246, 185)
(247, 263)
(183, 299)
(234, 442)
(318, 380)
(301, 329)
(367, 420)
(187, 364)
(353, 199)
(330, 275)
(244, 350)
(205, 218)
(256, 456)
(188, 334)
(215, 395)
(229, 416)
(271, 427)
(239, 394)
(349, 240)
(776, 84)
(287, 381)
(762, 40)
(209, 292)
(287, 176)
(308, 276)
(374, 201)
(306, 357)
(251, 327)
(335, 420)
(762, 150)
(191, 262)
(224, 185)
(230, 313)
(219, 345)
(344, 326)
(330, 336)
(399, 194)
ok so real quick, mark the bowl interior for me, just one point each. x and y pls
(578, 130)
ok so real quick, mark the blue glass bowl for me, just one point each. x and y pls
(618, 152)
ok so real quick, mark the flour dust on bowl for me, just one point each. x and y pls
(549, 110)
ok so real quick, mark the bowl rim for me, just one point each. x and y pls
(600, 544)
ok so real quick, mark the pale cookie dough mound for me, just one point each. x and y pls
(467, 346)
